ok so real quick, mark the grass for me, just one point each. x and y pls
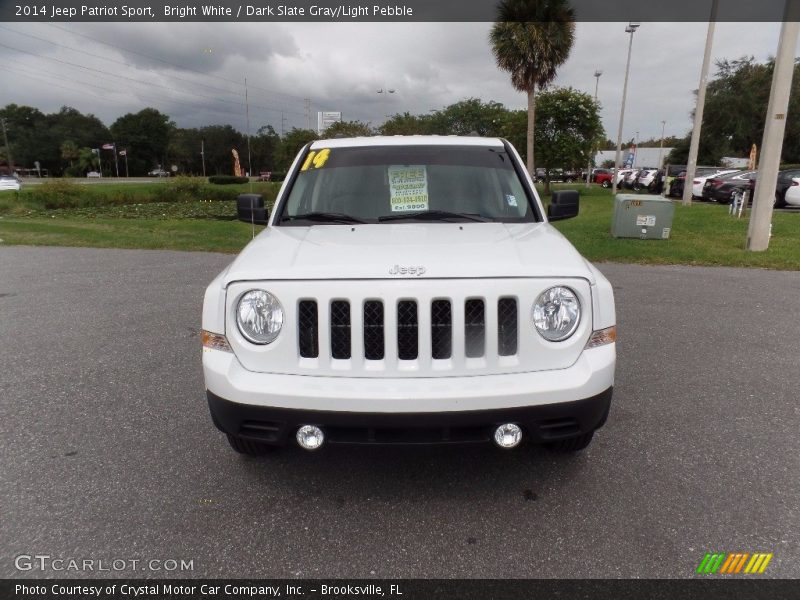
(193, 218)
(702, 234)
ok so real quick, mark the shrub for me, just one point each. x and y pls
(58, 193)
(227, 179)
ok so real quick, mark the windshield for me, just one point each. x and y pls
(405, 184)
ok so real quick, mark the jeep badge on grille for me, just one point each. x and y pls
(398, 270)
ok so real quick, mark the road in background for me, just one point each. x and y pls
(108, 450)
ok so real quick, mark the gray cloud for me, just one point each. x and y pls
(341, 66)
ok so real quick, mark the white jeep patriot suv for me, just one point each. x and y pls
(409, 290)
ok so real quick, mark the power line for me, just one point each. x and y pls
(119, 62)
(140, 96)
(138, 81)
(166, 62)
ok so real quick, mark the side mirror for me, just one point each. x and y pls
(563, 205)
(250, 209)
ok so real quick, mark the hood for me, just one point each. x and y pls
(408, 250)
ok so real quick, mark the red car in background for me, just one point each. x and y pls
(603, 177)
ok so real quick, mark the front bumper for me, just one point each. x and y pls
(547, 404)
(543, 423)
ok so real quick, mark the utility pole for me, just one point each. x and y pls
(661, 147)
(631, 28)
(247, 119)
(597, 74)
(694, 146)
(203, 154)
(772, 143)
(8, 148)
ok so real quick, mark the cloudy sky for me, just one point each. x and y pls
(193, 71)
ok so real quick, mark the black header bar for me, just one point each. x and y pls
(373, 10)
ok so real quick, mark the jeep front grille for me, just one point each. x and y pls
(405, 333)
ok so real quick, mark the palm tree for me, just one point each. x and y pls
(530, 40)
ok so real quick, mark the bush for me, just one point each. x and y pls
(58, 193)
(279, 176)
(227, 179)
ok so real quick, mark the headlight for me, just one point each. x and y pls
(259, 316)
(556, 313)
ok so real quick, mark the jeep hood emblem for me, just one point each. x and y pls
(402, 270)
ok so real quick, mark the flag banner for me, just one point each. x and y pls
(108, 146)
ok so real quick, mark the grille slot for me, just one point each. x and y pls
(507, 326)
(441, 329)
(373, 330)
(340, 329)
(308, 329)
(474, 328)
(407, 330)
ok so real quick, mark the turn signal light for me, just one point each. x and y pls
(602, 337)
(215, 341)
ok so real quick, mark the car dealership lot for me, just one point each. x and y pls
(108, 451)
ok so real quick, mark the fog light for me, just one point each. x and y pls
(508, 435)
(310, 437)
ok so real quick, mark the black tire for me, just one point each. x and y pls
(779, 202)
(606, 184)
(570, 180)
(248, 447)
(573, 444)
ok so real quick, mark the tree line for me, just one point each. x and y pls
(64, 142)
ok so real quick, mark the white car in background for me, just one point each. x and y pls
(792, 197)
(700, 180)
(622, 174)
(9, 182)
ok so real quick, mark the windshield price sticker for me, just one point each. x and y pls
(408, 188)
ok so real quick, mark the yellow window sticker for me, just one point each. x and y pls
(316, 159)
(408, 188)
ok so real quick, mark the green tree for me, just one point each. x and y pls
(470, 117)
(265, 145)
(349, 129)
(407, 124)
(88, 160)
(70, 154)
(219, 141)
(145, 135)
(568, 128)
(530, 40)
(291, 143)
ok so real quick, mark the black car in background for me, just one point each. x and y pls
(720, 187)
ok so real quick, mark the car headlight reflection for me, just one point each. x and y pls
(556, 313)
(259, 316)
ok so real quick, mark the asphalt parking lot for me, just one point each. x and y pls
(108, 451)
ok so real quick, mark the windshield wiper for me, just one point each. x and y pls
(431, 215)
(330, 217)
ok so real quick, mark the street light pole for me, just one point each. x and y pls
(597, 74)
(694, 145)
(387, 91)
(661, 147)
(631, 29)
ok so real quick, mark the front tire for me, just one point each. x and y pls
(248, 447)
(778, 202)
(573, 444)
(606, 184)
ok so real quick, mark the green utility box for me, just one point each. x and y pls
(643, 217)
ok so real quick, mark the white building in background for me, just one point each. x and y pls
(644, 157)
(326, 119)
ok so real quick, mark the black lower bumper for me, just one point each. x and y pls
(544, 423)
